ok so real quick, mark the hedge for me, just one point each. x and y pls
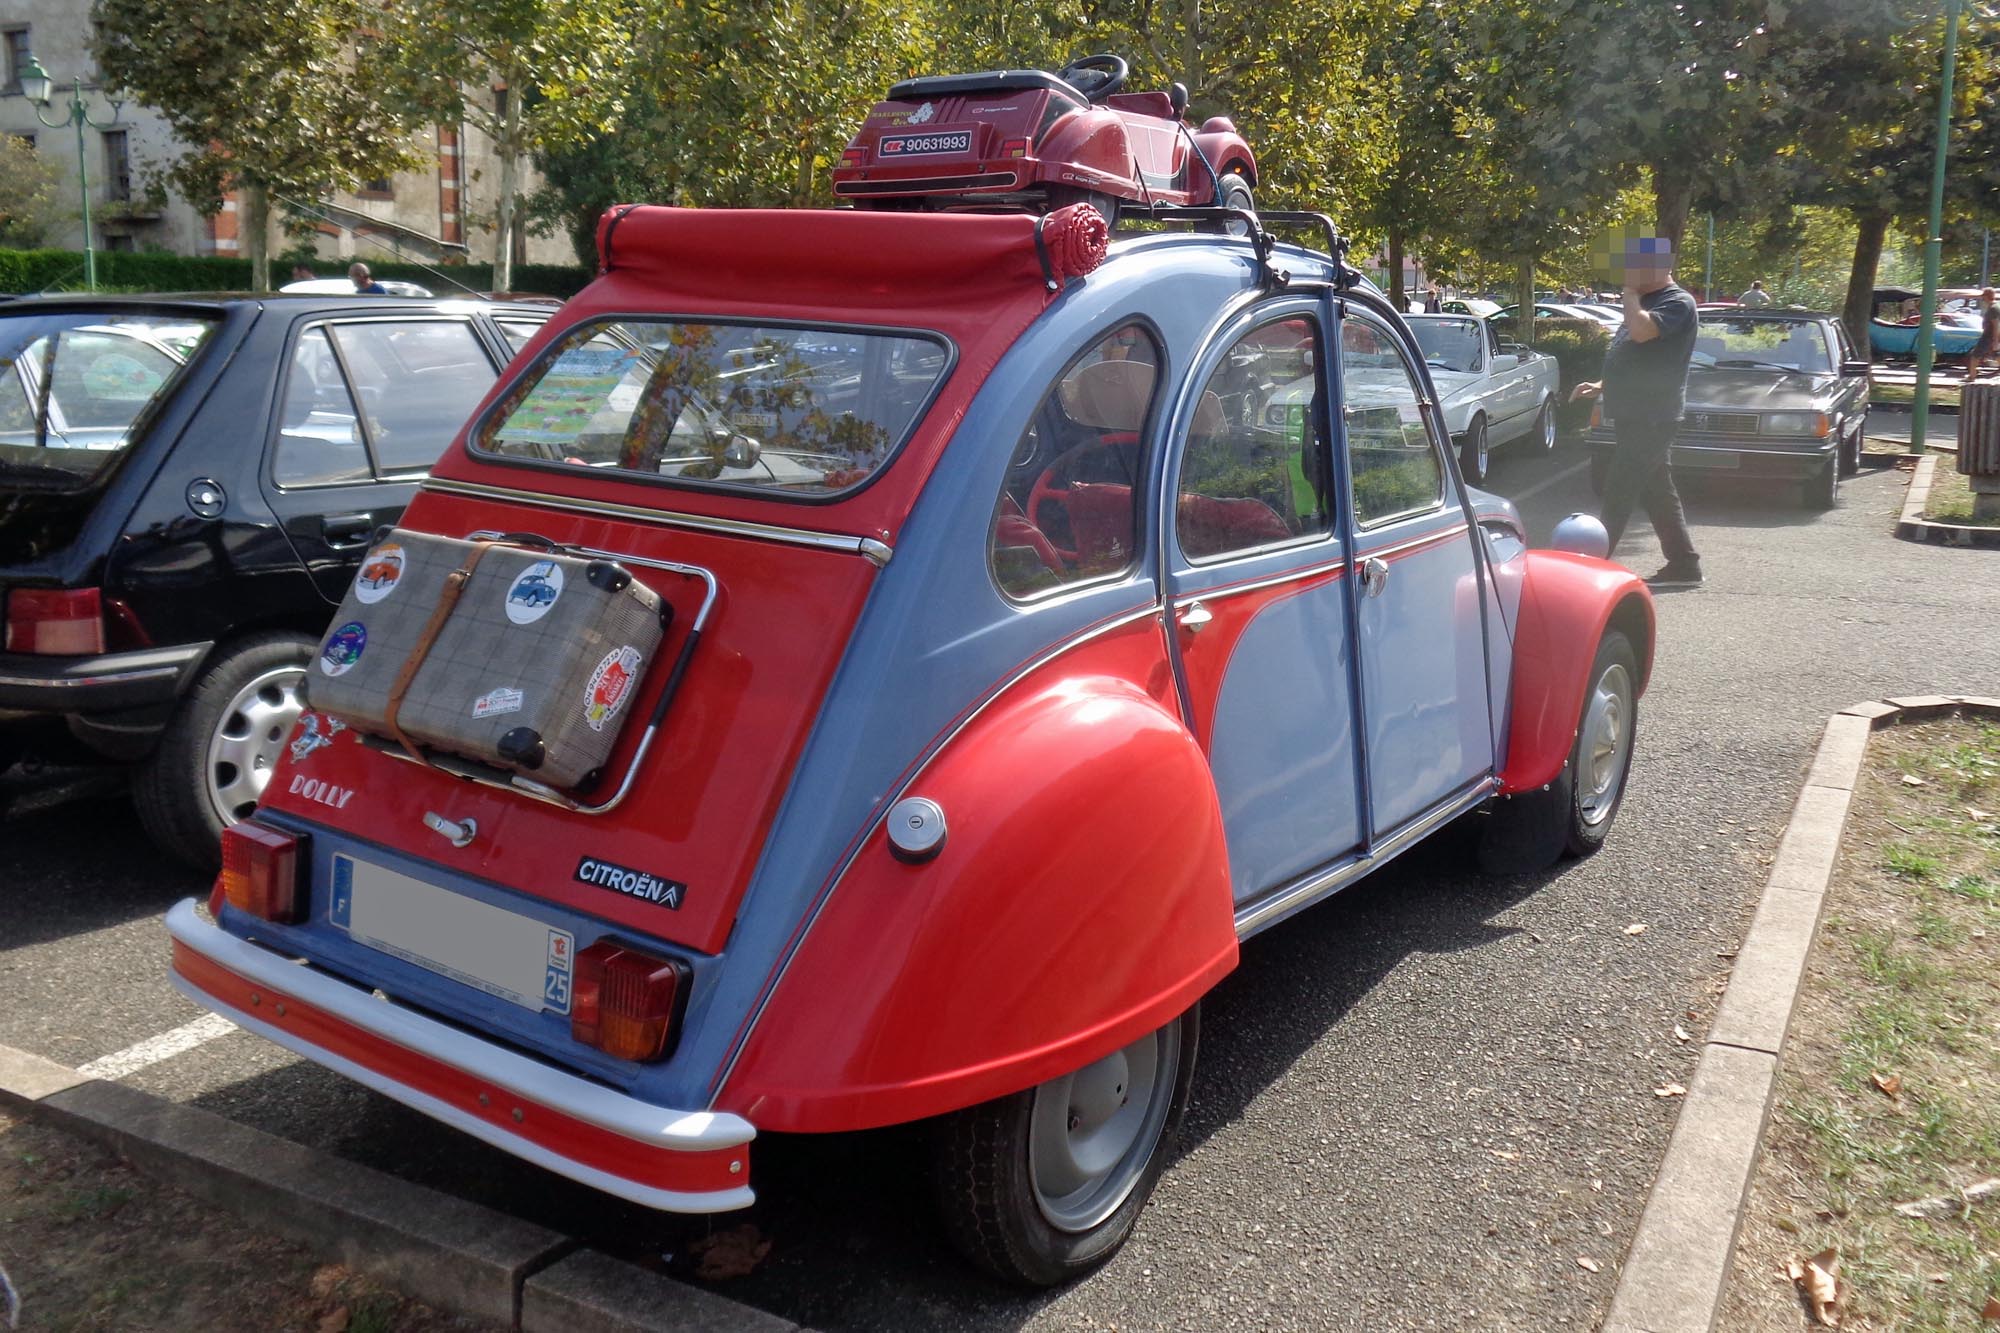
(128, 271)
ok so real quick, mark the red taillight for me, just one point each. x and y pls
(1596, 416)
(852, 157)
(1014, 148)
(624, 1001)
(260, 872)
(55, 621)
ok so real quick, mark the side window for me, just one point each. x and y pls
(517, 332)
(1254, 467)
(1395, 467)
(417, 381)
(319, 433)
(1070, 508)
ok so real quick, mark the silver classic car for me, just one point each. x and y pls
(1491, 391)
(1770, 394)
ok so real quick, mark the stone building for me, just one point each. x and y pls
(437, 213)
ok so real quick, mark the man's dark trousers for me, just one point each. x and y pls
(1640, 475)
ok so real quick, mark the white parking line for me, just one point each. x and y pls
(163, 1047)
(1547, 482)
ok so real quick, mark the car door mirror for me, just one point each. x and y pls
(1856, 367)
(1177, 99)
(1507, 361)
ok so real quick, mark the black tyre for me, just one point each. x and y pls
(1573, 814)
(216, 755)
(1850, 452)
(1545, 428)
(1021, 1182)
(1062, 196)
(1600, 470)
(1474, 455)
(1822, 490)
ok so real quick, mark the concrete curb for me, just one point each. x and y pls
(442, 1250)
(1678, 1267)
(1912, 526)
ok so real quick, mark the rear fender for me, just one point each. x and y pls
(1567, 603)
(1081, 900)
(1094, 141)
(1228, 151)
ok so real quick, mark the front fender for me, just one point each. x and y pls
(1080, 901)
(1567, 603)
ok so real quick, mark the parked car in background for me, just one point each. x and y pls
(1770, 394)
(1560, 310)
(1492, 391)
(345, 287)
(187, 487)
(1469, 305)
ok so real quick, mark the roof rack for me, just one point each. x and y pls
(1261, 240)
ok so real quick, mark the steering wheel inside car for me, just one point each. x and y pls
(1096, 77)
(1049, 488)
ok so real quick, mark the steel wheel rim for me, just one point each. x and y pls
(1607, 744)
(1548, 428)
(248, 737)
(1092, 1133)
(1479, 448)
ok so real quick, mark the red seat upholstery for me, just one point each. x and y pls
(1210, 526)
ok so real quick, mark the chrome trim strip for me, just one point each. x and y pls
(108, 678)
(877, 551)
(593, 1103)
(1310, 888)
(1257, 585)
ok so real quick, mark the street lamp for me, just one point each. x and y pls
(36, 85)
(1920, 404)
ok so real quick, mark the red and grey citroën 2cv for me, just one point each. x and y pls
(1026, 622)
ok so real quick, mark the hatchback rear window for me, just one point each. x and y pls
(794, 411)
(75, 387)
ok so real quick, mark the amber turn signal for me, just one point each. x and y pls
(626, 1001)
(260, 872)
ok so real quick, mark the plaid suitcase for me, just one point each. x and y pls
(533, 667)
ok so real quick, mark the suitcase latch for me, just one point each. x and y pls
(457, 833)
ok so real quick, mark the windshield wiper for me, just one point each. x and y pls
(1763, 365)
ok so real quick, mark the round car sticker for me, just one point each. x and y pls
(380, 573)
(531, 594)
(609, 686)
(343, 648)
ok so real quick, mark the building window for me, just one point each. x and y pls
(381, 187)
(121, 241)
(117, 166)
(500, 105)
(17, 57)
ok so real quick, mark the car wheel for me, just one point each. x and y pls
(1530, 831)
(216, 755)
(1473, 453)
(1545, 426)
(1600, 471)
(1822, 491)
(1062, 196)
(1850, 452)
(1044, 1185)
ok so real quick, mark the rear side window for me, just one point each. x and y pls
(76, 387)
(1069, 510)
(799, 412)
(417, 383)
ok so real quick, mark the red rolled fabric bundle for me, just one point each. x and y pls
(1075, 238)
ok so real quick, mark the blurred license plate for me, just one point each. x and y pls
(1704, 458)
(517, 958)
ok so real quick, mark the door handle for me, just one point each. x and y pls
(1194, 617)
(1374, 575)
(341, 530)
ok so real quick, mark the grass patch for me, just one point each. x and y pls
(1951, 499)
(1903, 988)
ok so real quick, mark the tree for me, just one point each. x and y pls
(30, 195)
(287, 102)
(533, 76)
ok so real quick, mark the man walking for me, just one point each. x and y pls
(364, 281)
(1644, 391)
(1755, 295)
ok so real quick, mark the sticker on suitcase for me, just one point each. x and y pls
(609, 684)
(495, 702)
(343, 648)
(380, 573)
(534, 591)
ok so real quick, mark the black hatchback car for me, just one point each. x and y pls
(187, 486)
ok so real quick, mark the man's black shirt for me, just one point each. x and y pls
(1650, 378)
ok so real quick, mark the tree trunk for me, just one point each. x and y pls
(508, 218)
(1191, 44)
(253, 232)
(1524, 299)
(1673, 193)
(1860, 303)
(1396, 293)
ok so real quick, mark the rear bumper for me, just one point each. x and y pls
(658, 1157)
(1742, 458)
(105, 683)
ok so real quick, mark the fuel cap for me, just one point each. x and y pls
(205, 497)
(916, 829)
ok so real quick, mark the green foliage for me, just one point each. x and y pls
(30, 201)
(125, 271)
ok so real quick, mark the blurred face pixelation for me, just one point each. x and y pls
(1619, 254)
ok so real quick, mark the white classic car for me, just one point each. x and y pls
(1490, 391)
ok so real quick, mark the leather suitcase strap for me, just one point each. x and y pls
(454, 585)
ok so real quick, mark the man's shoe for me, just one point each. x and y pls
(1677, 574)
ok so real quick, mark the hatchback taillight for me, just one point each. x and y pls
(625, 1001)
(56, 621)
(260, 872)
(1597, 416)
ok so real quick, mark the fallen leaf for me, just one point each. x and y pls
(1909, 781)
(1992, 1310)
(1976, 816)
(1818, 1279)
(1588, 1265)
(1671, 1090)
(1890, 1085)
(1636, 928)
(1597, 1185)
(1680, 1033)
(326, 1279)
(334, 1321)
(1504, 1155)
(735, 1252)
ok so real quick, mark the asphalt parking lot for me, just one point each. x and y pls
(1418, 1106)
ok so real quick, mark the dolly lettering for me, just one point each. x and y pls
(632, 883)
(325, 793)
